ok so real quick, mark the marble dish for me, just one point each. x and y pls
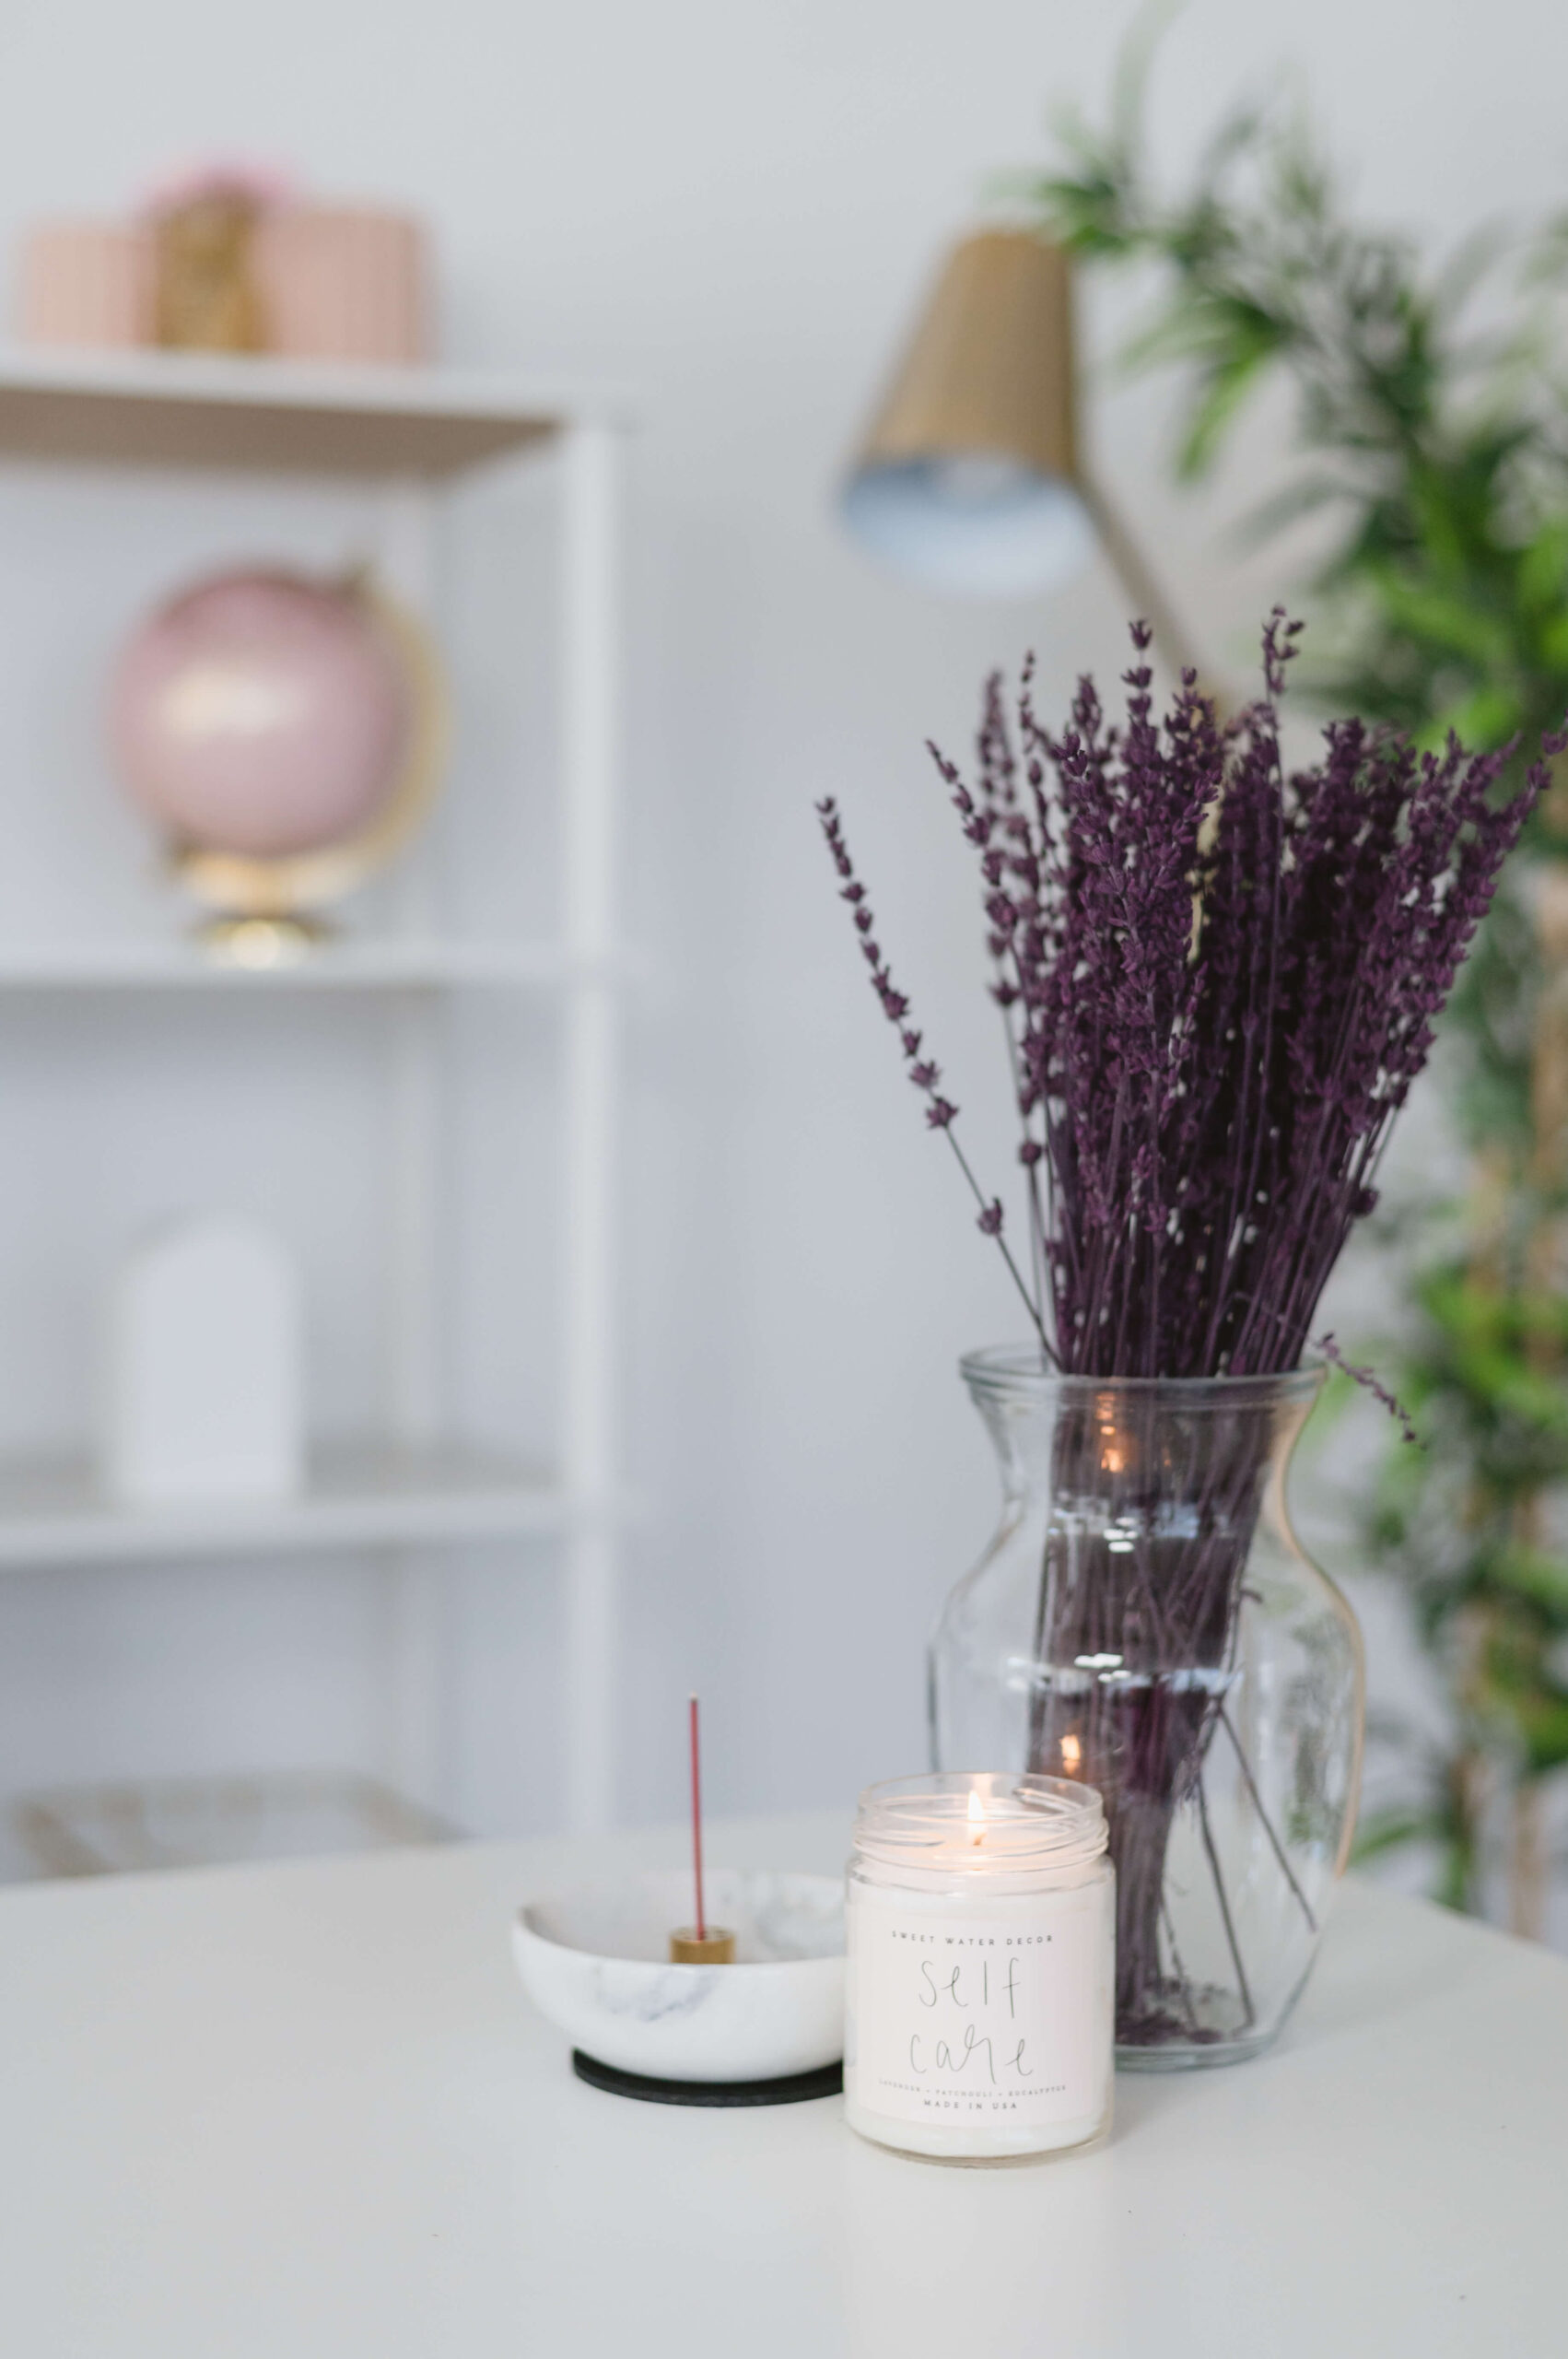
(595, 1960)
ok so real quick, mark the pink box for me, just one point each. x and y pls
(88, 282)
(342, 283)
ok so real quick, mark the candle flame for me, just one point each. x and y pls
(1072, 1754)
(976, 1819)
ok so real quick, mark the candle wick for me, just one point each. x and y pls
(696, 1827)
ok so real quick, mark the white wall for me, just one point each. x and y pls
(733, 204)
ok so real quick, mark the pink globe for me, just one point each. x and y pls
(262, 713)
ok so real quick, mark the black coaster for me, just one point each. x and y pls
(827, 2081)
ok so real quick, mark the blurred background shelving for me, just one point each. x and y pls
(403, 1483)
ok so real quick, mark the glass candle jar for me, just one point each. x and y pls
(981, 1965)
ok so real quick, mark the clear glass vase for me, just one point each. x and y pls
(1145, 1620)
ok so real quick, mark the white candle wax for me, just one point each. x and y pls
(981, 1966)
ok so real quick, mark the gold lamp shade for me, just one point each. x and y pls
(969, 479)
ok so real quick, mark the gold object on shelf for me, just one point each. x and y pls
(198, 1822)
(259, 944)
(206, 298)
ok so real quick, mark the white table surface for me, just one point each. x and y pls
(305, 2112)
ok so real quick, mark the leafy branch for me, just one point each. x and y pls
(1430, 432)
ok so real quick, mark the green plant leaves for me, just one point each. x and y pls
(1442, 453)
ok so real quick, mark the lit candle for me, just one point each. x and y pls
(981, 1966)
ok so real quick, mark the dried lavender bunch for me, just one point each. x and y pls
(1219, 981)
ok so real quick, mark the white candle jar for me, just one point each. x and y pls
(980, 1990)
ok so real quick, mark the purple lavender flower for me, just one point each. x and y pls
(1219, 980)
(940, 1113)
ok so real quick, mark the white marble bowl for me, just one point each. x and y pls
(596, 1959)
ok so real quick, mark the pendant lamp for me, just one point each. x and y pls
(971, 479)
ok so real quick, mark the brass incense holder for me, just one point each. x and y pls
(714, 1947)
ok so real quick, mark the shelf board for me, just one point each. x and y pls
(208, 410)
(338, 966)
(365, 1495)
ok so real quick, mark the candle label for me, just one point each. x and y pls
(1001, 2019)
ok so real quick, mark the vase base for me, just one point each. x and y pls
(1193, 2056)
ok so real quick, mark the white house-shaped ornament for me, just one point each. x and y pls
(204, 1394)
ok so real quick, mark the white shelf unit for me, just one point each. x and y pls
(410, 433)
(356, 1496)
(386, 966)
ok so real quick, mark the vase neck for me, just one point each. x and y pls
(1132, 1440)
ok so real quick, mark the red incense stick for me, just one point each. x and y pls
(696, 1829)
